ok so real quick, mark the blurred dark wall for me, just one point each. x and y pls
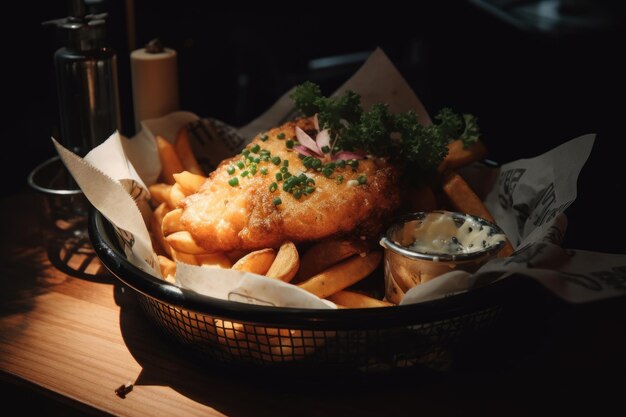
(531, 89)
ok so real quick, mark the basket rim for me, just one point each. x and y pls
(113, 258)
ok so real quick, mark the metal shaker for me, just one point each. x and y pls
(87, 83)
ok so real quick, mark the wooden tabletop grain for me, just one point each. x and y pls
(70, 331)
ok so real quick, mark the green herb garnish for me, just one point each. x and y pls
(378, 132)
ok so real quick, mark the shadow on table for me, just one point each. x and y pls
(32, 254)
(537, 362)
(72, 253)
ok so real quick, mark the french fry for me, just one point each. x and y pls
(257, 262)
(229, 333)
(183, 242)
(459, 156)
(189, 182)
(275, 344)
(286, 264)
(216, 260)
(341, 276)
(183, 257)
(160, 193)
(351, 299)
(170, 162)
(171, 222)
(325, 254)
(167, 266)
(465, 200)
(156, 220)
(176, 195)
(183, 149)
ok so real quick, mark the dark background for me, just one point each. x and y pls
(533, 83)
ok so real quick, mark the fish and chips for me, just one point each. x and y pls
(305, 202)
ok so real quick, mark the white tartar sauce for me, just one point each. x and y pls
(439, 233)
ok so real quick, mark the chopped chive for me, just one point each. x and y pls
(256, 160)
(277, 201)
(279, 176)
(331, 165)
(325, 149)
(297, 194)
(250, 159)
(244, 173)
(286, 175)
(303, 177)
(285, 163)
(362, 179)
(316, 163)
(240, 165)
(245, 152)
(234, 182)
(253, 169)
(230, 169)
(276, 160)
(273, 187)
(309, 190)
(284, 169)
(281, 135)
(341, 163)
(339, 179)
(255, 148)
(264, 152)
(327, 172)
(289, 144)
(263, 171)
(264, 138)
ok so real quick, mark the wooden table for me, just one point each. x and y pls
(70, 335)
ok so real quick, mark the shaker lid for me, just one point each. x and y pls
(80, 30)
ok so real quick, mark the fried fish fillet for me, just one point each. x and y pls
(224, 216)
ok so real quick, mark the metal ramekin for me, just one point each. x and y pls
(406, 268)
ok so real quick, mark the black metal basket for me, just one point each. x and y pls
(369, 339)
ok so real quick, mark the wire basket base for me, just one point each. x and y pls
(428, 345)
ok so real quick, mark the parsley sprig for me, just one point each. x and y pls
(383, 134)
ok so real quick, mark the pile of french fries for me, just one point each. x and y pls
(328, 268)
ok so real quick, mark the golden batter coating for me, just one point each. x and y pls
(223, 217)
